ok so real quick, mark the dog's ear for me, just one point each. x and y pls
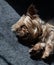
(31, 10)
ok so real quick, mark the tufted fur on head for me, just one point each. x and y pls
(31, 26)
(28, 24)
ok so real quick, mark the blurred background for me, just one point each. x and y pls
(45, 7)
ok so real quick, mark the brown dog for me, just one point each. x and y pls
(31, 26)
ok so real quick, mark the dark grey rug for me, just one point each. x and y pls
(11, 51)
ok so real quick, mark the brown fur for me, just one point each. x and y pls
(33, 25)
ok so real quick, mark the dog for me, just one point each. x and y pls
(31, 26)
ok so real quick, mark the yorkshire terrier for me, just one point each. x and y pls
(30, 25)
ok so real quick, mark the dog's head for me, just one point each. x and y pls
(28, 25)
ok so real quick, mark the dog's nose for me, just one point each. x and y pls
(20, 33)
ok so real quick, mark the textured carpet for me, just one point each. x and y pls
(11, 51)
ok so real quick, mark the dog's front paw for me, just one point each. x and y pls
(45, 55)
(37, 48)
(48, 51)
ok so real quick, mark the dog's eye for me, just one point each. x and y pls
(23, 26)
